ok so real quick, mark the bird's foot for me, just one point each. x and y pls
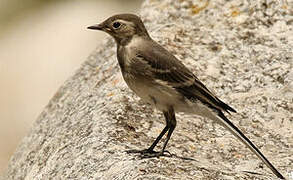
(156, 154)
(149, 153)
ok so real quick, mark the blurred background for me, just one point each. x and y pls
(42, 43)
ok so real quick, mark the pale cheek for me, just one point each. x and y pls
(128, 32)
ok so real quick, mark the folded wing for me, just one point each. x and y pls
(168, 70)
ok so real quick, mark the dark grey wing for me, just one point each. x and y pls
(167, 68)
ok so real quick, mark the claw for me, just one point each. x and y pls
(170, 154)
(145, 151)
(148, 153)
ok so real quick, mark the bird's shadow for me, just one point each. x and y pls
(142, 155)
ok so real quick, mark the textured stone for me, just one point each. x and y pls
(242, 50)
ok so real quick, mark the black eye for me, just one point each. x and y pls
(116, 25)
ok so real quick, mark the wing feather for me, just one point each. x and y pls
(167, 68)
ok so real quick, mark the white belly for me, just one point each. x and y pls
(164, 97)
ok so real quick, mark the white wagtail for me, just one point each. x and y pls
(160, 79)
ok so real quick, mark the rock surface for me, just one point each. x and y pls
(242, 50)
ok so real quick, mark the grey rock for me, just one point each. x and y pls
(240, 49)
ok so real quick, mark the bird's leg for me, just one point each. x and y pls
(171, 124)
(172, 127)
(151, 148)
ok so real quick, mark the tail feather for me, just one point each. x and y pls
(226, 107)
(235, 131)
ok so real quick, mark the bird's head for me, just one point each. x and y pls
(122, 27)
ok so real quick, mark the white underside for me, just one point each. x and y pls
(162, 97)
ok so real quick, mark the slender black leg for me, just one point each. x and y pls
(171, 122)
(168, 137)
(170, 126)
(151, 148)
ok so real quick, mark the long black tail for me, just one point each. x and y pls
(235, 131)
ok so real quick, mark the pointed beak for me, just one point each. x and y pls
(96, 27)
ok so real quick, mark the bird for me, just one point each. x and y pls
(160, 79)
